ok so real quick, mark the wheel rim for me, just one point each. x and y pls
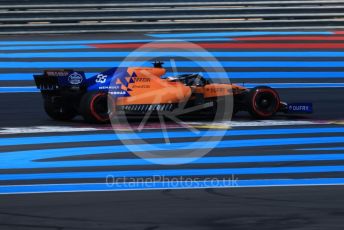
(265, 102)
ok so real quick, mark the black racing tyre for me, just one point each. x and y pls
(58, 111)
(263, 102)
(94, 107)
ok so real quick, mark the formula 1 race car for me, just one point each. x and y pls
(137, 90)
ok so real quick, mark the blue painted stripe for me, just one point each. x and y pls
(295, 85)
(27, 158)
(160, 185)
(157, 135)
(65, 47)
(29, 76)
(213, 75)
(17, 76)
(236, 34)
(174, 172)
(170, 54)
(266, 75)
(85, 42)
(28, 89)
(173, 161)
(233, 64)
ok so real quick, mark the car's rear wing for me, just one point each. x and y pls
(52, 80)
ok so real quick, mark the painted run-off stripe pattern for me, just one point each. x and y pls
(85, 42)
(183, 172)
(232, 45)
(157, 135)
(172, 54)
(159, 185)
(308, 157)
(179, 64)
(175, 161)
(241, 45)
(224, 125)
(291, 38)
(42, 47)
(178, 172)
(35, 163)
(30, 158)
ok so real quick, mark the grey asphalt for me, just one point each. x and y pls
(204, 209)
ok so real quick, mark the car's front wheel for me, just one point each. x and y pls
(263, 102)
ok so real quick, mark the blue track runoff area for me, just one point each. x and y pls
(138, 54)
(61, 163)
(29, 158)
(52, 158)
(156, 135)
(179, 64)
(86, 42)
(268, 64)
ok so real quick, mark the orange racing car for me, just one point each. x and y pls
(138, 90)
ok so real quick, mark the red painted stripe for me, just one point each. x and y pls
(339, 32)
(292, 38)
(225, 45)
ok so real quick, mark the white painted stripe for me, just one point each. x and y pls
(45, 129)
(152, 126)
(257, 123)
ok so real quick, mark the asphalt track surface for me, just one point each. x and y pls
(286, 175)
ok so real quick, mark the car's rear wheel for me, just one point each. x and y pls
(94, 107)
(263, 102)
(59, 111)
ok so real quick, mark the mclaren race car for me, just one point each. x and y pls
(138, 90)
